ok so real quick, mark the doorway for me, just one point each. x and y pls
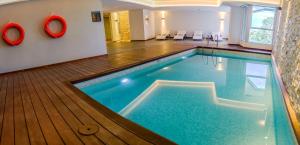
(124, 26)
(117, 27)
(107, 26)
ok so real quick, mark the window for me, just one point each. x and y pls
(262, 25)
(257, 75)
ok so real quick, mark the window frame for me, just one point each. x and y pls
(258, 28)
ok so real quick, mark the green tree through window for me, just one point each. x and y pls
(261, 30)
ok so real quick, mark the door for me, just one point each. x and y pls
(107, 26)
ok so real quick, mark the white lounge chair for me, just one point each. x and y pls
(198, 35)
(180, 35)
(162, 36)
(217, 36)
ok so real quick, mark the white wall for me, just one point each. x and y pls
(136, 21)
(240, 23)
(205, 20)
(236, 22)
(83, 38)
(142, 24)
(149, 25)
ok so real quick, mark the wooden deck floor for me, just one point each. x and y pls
(38, 107)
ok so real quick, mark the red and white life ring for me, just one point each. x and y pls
(55, 18)
(13, 26)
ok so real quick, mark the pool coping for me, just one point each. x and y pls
(114, 70)
(149, 135)
(286, 97)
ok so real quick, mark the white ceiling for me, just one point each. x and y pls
(3, 2)
(118, 5)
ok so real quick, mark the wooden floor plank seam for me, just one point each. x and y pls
(69, 95)
(66, 116)
(67, 92)
(78, 68)
(2, 86)
(35, 133)
(21, 130)
(50, 132)
(97, 120)
(62, 127)
(8, 137)
(90, 67)
(83, 67)
(77, 74)
(3, 95)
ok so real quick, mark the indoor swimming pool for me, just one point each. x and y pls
(200, 97)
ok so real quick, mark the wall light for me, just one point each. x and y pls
(163, 26)
(222, 15)
(163, 15)
(147, 18)
(115, 17)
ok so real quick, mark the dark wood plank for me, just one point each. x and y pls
(64, 131)
(4, 81)
(21, 133)
(35, 131)
(61, 111)
(133, 138)
(64, 96)
(8, 135)
(49, 131)
(107, 135)
(96, 65)
(79, 69)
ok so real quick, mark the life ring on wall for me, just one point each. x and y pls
(55, 18)
(13, 26)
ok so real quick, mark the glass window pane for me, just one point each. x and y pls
(261, 36)
(263, 17)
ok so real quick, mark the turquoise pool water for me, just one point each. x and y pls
(200, 99)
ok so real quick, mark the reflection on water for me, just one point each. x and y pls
(220, 64)
(257, 74)
(238, 109)
(187, 85)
